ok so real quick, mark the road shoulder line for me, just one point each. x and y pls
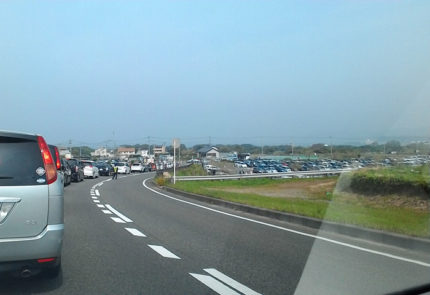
(421, 263)
(377, 236)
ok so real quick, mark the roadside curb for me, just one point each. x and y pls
(390, 239)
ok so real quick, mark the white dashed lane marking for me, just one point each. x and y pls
(107, 212)
(96, 201)
(100, 205)
(123, 217)
(135, 232)
(229, 281)
(118, 220)
(163, 251)
(215, 285)
(97, 193)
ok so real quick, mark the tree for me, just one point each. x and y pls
(393, 146)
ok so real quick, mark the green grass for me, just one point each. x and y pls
(192, 170)
(358, 211)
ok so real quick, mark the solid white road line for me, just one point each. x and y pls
(107, 212)
(229, 281)
(100, 206)
(97, 193)
(293, 231)
(215, 285)
(123, 217)
(118, 220)
(96, 201)
(163, 251)
(135, 232)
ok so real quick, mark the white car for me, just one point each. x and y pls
(123, 168)
(137, 167)
(90, 169)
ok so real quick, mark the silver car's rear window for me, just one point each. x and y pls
(20, 162)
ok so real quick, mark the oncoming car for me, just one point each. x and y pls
(31, 206)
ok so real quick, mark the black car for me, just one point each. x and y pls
(104, 168)
(77, 169)
(57, 162)
(67, 171)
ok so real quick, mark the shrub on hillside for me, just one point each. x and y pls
(394, 180)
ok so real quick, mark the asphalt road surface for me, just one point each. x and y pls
(126, 237)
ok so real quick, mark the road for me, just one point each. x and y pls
(125, 237)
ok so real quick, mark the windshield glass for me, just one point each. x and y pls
(265, 147)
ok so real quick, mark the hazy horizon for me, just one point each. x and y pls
(254, 72)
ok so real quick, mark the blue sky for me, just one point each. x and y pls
(268, 72)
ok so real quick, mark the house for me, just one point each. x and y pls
(143, 153)
(65, 152)
(102, 153)
(124, 152)
(159, 149)
(208, 152)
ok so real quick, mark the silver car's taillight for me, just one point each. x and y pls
(5, 208)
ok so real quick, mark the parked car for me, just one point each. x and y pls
(77, 170)
(104, 168)
(258, 170)
(90, 169)
(123, 167)
(67, 171)
(137, 167)
(31, 201)
(57, 161)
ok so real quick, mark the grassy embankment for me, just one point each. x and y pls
(391, 199)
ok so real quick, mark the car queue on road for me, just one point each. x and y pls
(75, 170)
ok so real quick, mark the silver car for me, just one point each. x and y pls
(31, 206)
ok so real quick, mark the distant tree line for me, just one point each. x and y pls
(338, 151)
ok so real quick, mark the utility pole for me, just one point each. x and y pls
(262, 145)
(174, 162)
(114, 143)
(176, 143)
(292, 150)
(331, 148)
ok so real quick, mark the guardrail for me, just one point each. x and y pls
(265, 175)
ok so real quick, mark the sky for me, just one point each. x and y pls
(261, 72)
